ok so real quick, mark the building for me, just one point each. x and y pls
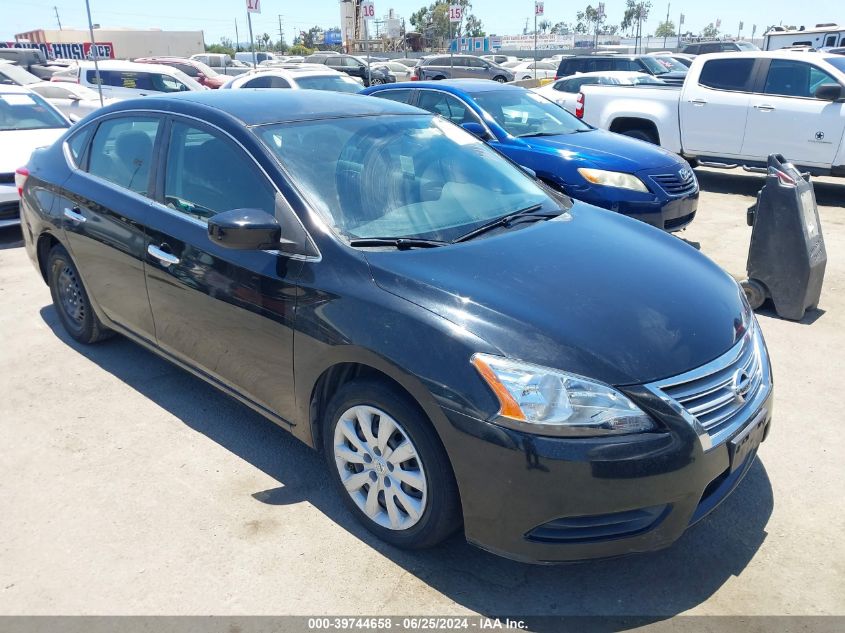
(117, 43)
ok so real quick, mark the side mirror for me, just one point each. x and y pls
(829, 92)
(74, 117)
(477, 129)
(245, 229)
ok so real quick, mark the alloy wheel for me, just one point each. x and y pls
(380, 467)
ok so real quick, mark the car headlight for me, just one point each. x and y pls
(546, 401)
(612, 179)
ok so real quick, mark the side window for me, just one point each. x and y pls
(122, 151)
(790, 78)
(77, 144)
(566, 86)
(446, 106)
(727, 74)
(830, 40)
(402, 96)
(207, 174)
(188, 69)
(165, 83)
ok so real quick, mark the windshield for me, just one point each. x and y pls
(837, 62)
(524, 113)
(414, 176)
(193, 84)
(11, 74)
(336, 83)
(206, 70)
(27, 112)
(663, 65)
(644, 79)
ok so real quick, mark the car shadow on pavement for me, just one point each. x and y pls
(748, 184)
(646, 586)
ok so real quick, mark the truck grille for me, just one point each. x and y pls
(681, 183)
(721, 395)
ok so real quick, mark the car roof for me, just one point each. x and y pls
(261, 106)
(116, 64)
(778, 54)
(14, 89)
(622, 74)
(466, 86)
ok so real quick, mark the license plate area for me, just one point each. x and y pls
(747, 441)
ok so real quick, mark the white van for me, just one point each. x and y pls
(822, 36)
(124, 80)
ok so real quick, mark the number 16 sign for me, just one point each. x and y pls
(368, 10)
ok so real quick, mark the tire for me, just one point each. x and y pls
(416, 510)
(755, 292)
(376, 82)
(642, 135)
(500, 79)
(71, 299)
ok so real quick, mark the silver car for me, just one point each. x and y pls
(460, 67)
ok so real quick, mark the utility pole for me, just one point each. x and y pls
(251, 41)
(666, 25)
(95, 52)
(237, 38)
(281, 35)
(56, 9)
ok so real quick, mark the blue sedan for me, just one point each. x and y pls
(602, 168)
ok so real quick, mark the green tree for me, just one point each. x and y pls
(544, 25)
(589, 20)
(433, 21)
(299, 49)
(666, 29)
(709, 31)
(635, 14)
(562, 28)
(220, 48)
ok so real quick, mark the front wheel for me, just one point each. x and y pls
(389, 466)
(376, 81)
(501, 79)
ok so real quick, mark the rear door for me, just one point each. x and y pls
(104, 206)
(786, 117)
(714, 110)
(226, 312)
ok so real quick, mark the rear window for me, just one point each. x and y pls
(21, 111)
(727, 74)
(692, 49)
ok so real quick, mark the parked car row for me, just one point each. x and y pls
(467, 345)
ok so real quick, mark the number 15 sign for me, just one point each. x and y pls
(253, 6)
(456, 13)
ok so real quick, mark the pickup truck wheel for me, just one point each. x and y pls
(642, 135)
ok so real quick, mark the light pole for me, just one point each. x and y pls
(95, 52)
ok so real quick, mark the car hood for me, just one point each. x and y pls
(605, 150)
(18, 145)
(591, 292)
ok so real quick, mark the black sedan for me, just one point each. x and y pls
(465, 345)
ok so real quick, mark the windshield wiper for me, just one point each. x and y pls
(401, 243)
(536, 134)
(508, 220)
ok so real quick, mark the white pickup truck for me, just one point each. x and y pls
(735, 109)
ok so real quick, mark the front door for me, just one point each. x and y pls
(787, 118)
(104, 223)
(228, 313)
(713, 111)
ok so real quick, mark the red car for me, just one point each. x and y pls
(200, 72)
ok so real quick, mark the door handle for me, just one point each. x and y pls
(163, 256)
(74, 215)
(698, 102)
(765, 107)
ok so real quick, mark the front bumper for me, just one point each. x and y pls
(9, 206)
(546, 499)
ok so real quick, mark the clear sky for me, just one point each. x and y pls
(217, 17)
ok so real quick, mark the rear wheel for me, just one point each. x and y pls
(642, 135)
(376, 81)
(71, 299)
(501, 79)
(389, 466)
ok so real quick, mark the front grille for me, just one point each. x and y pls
(681, 183)
(721, 395)
(7, 179)
(9, 210)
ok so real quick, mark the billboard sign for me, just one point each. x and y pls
(56, 50)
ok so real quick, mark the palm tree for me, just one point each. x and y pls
(544, 26)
